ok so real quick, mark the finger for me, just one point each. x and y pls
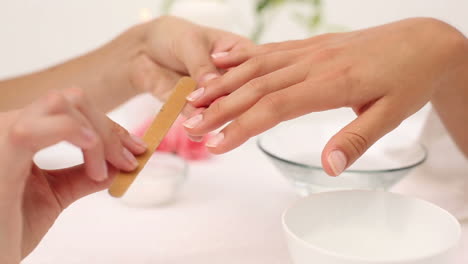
(110, 133)
(149, 76)
(72, 184)
(352, 141)
(133, 143)
(234, 58)
(193, 114)
(229, 59)
(239, 76)
(244, 98)
(285, 104)
(38, 133)
(196, 57)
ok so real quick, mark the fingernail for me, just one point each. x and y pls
(210, 76)
(195, 138)
(194, 121)
(219, 55)
(103, 175)
(138, 141)
(89, 136)
(195, 95)
(215, 141)
(130, 158)
(337, 161)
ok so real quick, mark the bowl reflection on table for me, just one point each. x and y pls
(295, 149)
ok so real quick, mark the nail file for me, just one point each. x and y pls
(155, 133)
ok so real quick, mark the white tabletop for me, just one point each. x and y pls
(229, 211)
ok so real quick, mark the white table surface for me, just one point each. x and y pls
(229, 212)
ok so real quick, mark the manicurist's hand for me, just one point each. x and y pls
(385, 74)
(148, 57)
(174, 47)
(31, 198)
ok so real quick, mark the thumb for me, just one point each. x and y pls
(71, 184)
(197, 59)
(352, 141)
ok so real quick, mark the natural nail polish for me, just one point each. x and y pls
(195, 138)
(89, 136)
(210, 76)
(138, 141)
(337, 160)
(219, 55)
(195, 95)
(194, 121)
(215, 141)
(130, 158)
(103, 175)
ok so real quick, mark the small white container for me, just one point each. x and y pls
(158, 183)
(369, 227)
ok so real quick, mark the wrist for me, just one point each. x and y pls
(452, 59)
(114, 67)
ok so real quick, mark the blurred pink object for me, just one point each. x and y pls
(177, 141)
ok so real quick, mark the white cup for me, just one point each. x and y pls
(369, 227)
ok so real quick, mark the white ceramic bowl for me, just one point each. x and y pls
(369, 227)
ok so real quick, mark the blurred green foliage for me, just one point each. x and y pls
(313, 20)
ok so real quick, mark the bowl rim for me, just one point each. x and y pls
(320, 168)
(331, 253)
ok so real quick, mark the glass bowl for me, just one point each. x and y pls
(295, 148)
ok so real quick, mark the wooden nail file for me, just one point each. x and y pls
(156, 133)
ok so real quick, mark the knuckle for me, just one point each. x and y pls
(56, 102)
(19, 134)
(256, 64)
(356, 142)
(217, 108)
(118, 130)
(241, 129)
(257, 86)
(78, 94)
(326, 54)
(273, 104)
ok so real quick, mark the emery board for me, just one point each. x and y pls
(155, 133)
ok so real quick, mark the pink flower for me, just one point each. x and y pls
(177, 141)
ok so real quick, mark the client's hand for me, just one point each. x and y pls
(385, 74)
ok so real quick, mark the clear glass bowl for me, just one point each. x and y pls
(295, 149)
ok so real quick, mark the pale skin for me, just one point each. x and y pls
(40, 109)
(385, 74)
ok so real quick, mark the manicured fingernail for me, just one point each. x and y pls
(130, 158)
(195, 95)
(210, 76)
(138, 141)
(104, 174)
(219, 55)
(195, 138)
(194, 121)
(337, 161)
(215, 141)
(89, 136)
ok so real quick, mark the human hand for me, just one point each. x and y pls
(174, 47)
(384, 73)
(31, 198)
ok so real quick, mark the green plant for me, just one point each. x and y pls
(313, 20)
